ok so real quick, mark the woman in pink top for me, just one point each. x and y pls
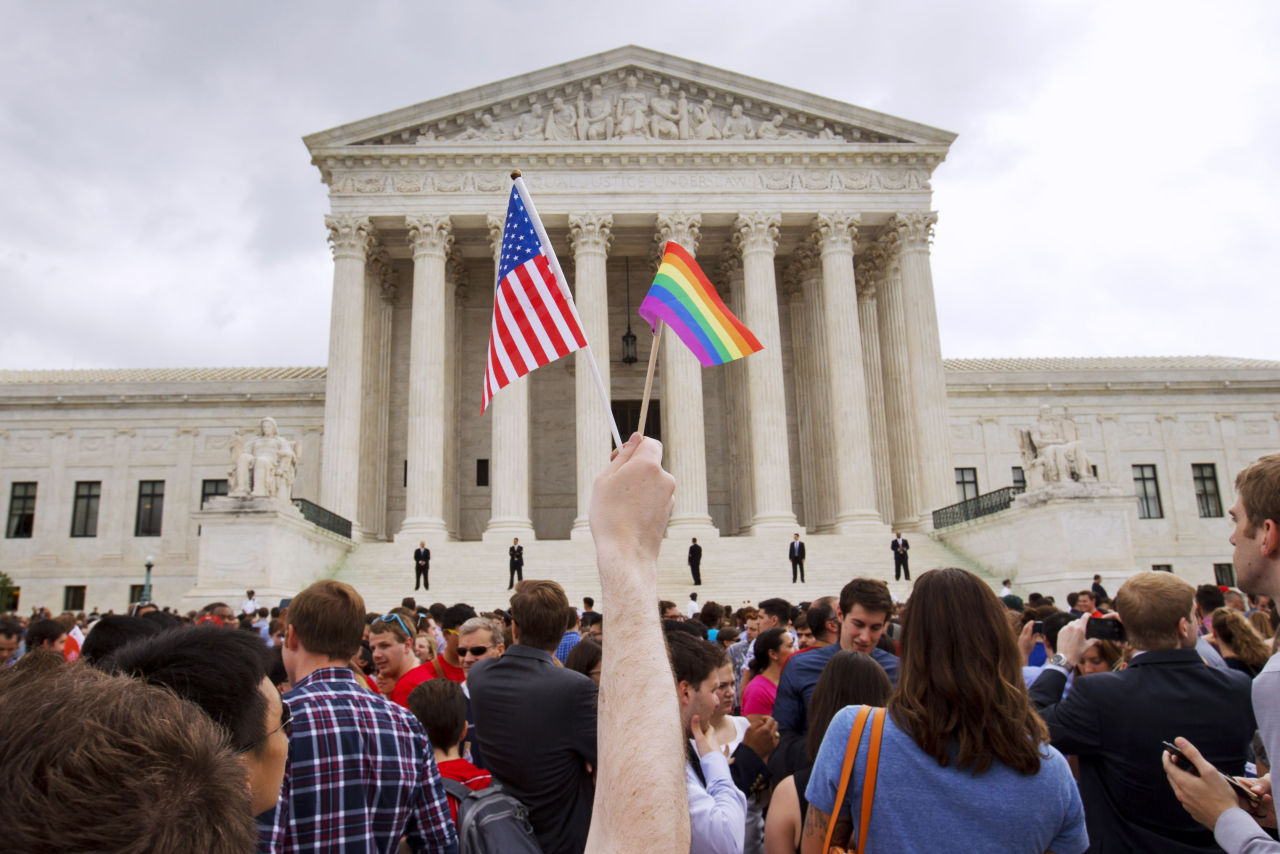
(773, 648)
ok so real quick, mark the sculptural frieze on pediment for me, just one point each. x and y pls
(630, 105)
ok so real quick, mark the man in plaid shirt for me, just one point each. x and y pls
(361, 771)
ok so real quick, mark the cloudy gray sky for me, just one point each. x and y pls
(1113, 190)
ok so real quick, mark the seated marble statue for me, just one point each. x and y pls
(263, 466)
(1052, 451)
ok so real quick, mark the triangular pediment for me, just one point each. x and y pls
(629, 95)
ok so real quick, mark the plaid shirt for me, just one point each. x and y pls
(361, 773)
(567, 643)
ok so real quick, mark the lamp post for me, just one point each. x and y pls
(629, 339)
(146, 587)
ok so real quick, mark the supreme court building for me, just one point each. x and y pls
(813, 219)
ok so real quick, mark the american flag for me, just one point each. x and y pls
(534, 320)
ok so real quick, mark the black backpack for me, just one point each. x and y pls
(491, 821)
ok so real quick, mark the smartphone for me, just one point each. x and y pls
(1037, 628)
(1111, 630)
(1184, 763)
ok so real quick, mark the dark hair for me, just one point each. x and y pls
(442, 708)
(960, 692)
(663, 605)
(589, 602)
(538, 609)
(112, 632)
(409, 602)
(221, 672)
(693, 660)
(819, 614)
(1071, 598)
(780, 609)
(275, 666)
(592, 619)
(328, 618)
(10, 628)
(457, 615)
(436, 610)
(871, 594)
(1052, 625)
(1209, 598)
(729, 634)
(711, 615)
(849, 679)
(584, 656)
(162, 620)
(767, 642)
(1231, 628)
(92, 762)
(44, 631)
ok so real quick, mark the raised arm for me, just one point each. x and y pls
(640, 740)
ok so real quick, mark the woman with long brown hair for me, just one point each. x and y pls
(961, 742)
(1239, 644)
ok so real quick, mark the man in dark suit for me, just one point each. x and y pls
(899, 545)
(1114, 722)
(695, 561)
(795, 552)
(539, 720)
(421, 562)
(515, 563)
(1099, 592)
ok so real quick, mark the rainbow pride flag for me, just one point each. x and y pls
(682, 298)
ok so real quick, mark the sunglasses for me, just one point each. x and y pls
(476, 651)
(388, 618)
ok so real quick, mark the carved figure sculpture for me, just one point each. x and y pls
(595, 117)
(531, 124)
(738, 126)
(263, 466)
(667, 117)
(633, 108)
(771, 129)
(703, 126)
(1052, 451)
(488, 130)
(562, 122)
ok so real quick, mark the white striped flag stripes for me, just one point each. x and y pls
(534, 319)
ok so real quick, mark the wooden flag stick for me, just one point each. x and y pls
(648, 378)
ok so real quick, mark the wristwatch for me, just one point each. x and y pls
(1060, 660)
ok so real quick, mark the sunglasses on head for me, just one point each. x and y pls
(388, 618)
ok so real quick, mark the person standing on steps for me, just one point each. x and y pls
(900, 546)
(695, 562)
(421, 562)
(515, 566)
(796, 554)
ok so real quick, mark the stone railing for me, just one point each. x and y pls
(974, 508)
(326, 519)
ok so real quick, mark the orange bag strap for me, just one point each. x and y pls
(869, 777)
(850, 754)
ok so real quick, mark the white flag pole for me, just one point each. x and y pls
(568, 297)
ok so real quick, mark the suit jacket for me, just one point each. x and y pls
(796, 550)
(1099, 592)
(695, 554)
(1114, 723)
(422, 556)
(516, 553)
(893, 546)
(538, 722)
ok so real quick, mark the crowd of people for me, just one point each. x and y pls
(964, 718)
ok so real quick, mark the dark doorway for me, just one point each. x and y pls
(627, 414)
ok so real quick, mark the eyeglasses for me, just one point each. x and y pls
(387, 618)
(286, 724)
(476, 651)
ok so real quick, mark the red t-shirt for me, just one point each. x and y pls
(466, 774)
(453, 674)
(406, 683)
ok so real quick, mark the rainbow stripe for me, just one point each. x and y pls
(682, 298)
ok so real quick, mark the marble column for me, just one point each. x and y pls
(757, 236)
(455, 294)
(590, 235)
(929, 386)
(741, 503)
(509, 468)
(819, 389)
(993, 479)
(431, 238)
(114, 503)
(1229, 432)
(802, 388)
(899, 417)
(177, 531)
(53, 509)
(850, 425)
(375, 415)
(351, 238)
(683, 426)
(868, 329)
(1175, 472)
(1111, 472)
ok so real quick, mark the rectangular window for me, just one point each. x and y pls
(84, 512)
(966, 484)
(150, 508)
(482, 472)
(1019, 478)
(22, 511)
(1148, 491)
(1162, 567)
(135, 593)
(212, 489)
(1224, 574)
(1205, 477)
(73, 598)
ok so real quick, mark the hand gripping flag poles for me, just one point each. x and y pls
(534, 319)
(682, 298)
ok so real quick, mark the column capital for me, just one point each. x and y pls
(591, 232)
(836, 231)
(864, 279)
(430, 235)
(757, 232)
(495, 225)
(915, 229)
(350, 236)
(730, 265)
(886, 253)
(455, 273)
(682, 228)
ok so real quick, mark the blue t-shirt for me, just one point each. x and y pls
(921, 806)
